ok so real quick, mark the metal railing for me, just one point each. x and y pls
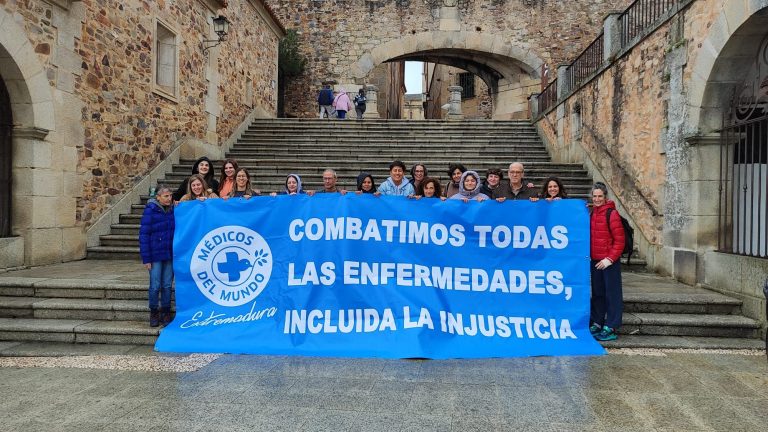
(640, 15)
(586, 64)
(743, 201)
(548, 97)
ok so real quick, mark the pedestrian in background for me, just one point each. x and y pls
(156, 250)
(360, 101)
(325, 101)
(342, 104)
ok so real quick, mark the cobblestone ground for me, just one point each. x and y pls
(624, 391)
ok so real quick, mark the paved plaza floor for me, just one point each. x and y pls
(623, 391)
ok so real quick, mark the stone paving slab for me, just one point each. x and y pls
(637, 391)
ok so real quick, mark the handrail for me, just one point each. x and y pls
(640, 15)
(587, 63)
(548, 97)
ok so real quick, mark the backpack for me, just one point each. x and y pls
(629, 234)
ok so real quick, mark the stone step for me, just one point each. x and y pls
(113, 253)
(73, 308)
(128, 229)
(704, 325)
(685, 342)
(690, 303)
(384, 157)
(541, 167)
(453, 142)
(62, 349)
(77, 331)
(120, 240)
(74, 288)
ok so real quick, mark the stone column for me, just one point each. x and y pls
(533, 105)
(611, 36)
(563, 83)
(454, 101)
(372, 102)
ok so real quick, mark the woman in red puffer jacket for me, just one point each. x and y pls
(606, 245)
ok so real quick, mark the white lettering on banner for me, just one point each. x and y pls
(310, 276)
(316, 321)
(447, 278)
(215, 319)
(504, 326)
(414, 232)
(343, 321)
(400, 231)
(520, 237)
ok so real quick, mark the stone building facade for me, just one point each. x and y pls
(104, 92)
(506, 42)
(476, 100)
(652, 124)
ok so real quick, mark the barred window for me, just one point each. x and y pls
(467, 83)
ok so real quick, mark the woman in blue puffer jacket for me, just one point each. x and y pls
(156, 248)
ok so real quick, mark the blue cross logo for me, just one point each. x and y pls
(233, 266)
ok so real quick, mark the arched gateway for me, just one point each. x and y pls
(505, 68)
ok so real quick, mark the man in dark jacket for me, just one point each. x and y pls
(156, 249)
(325, 100)
(515, 189)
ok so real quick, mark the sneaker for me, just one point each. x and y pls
(607, 334)
(594, 329)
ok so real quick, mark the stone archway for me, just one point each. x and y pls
(36, 192)
(6, 157)
(726, 51)
(500, 64)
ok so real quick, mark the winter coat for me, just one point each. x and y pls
(389, 188)
(325, 97)
(360, 101)
(504, 190)
(342, 102)
(473, 194)
(156, 233)
(450, 189)
(210, 179)
(604, 242)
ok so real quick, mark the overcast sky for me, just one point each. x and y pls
(413, 77)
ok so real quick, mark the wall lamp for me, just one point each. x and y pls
(221, 28)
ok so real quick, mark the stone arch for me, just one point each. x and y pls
(25, 78)
(727, 51)
(508, 70)
(493, 51)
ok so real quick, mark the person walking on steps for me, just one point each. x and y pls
(156, 250)
(360, 101)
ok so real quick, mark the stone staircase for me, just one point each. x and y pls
(103, 299)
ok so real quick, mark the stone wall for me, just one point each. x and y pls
(647, 125)
(337, 35)
(89, 121)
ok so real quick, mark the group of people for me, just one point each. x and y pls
(336, 103)
(606, 229)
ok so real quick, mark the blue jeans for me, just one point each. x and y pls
(160, 280)
(607, 301)
(342, 114)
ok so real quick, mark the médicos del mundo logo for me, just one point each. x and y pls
(231, 265)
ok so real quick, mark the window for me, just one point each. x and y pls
(467, 83)
(165, 60)
(248, 93)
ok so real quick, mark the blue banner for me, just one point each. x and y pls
(366, 276)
